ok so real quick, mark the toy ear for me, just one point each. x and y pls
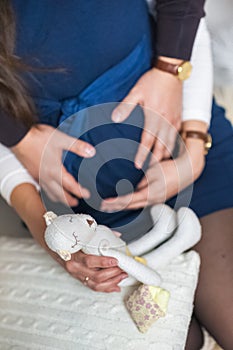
(49, 217)
(64, 254)
(90, 222)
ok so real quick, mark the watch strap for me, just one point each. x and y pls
(206, 137)
(167, 67)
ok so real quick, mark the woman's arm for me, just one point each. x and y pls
(12, 173)
(27, 202)
(103, 272)
(198, 89)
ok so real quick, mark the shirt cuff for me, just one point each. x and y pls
(195, 114)
(14, 179)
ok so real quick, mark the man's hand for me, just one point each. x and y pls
(160, 93)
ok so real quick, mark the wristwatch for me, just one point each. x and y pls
(182, 71)
(206, 137)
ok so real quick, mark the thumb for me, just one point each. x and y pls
(126, 106)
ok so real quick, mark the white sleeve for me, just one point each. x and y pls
(12, 173)
(198, 89)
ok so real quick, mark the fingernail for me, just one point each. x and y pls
(117, 234)
(90, 151)
(103, 207)
(116, 117)
(114, 262)
(85, 193)
(138, 165)
(74, 203)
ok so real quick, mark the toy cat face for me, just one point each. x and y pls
(68, 234)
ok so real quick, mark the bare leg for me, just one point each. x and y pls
(195, 336)
(214, 295)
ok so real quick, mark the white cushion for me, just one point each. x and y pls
(42, 307)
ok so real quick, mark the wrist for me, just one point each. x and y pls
(196, 125)
(19, 148)
(180, 69)
(195, 153)
(170, 59)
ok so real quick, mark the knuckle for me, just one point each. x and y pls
(147, 138)
(159, 146)
(104, 261)
(87, 261)
(70, 267)
(98, 278)
(96, 288)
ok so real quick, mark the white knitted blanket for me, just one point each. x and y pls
(42, 307)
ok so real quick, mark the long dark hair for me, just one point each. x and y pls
(14, 99)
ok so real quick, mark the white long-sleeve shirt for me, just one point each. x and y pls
(12, 173)
(197, 101)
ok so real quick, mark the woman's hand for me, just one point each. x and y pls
(103, 272)
(160, 94)
(40, 151)
(163, 180)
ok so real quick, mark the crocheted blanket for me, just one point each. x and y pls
(42, 307)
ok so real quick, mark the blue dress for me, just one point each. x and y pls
(102, 80)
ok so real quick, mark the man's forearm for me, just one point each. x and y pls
(177, 23)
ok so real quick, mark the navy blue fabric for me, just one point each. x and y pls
(213, 190)
(116, 144)
(86, 38)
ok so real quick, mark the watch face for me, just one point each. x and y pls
(208, 143)
(184, 70)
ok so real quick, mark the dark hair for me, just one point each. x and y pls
(14, 99)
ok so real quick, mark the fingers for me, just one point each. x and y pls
(147, 142)
(57, 194)
(72, 186)
(136, 200)
(108, 286)
(79, 147)
(103, 272)
(65, 188)
(94, 261)
(126, 106)
(142, 184)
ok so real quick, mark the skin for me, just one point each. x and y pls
(160, 94)
(41, 152)
(103, 272)
(164, 179)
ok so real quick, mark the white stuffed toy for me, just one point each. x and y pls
(67, 234)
